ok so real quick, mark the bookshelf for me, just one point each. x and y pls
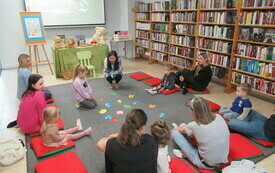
(238, 35)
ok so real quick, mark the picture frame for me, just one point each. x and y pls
(33, 28)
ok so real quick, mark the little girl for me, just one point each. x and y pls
(83, 93)
(51, 135)
(162, 135)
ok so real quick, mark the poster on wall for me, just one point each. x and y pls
(33, 28)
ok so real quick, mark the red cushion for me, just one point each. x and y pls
(242, 148)
(213, 106)
(51, 100)
(58, 122)
(201, 170)
(178, 166)
(52, 105)
(152, 81)
(140, 76)
(68, 162)
(263, 143)
(41, 151)
(176, 89)
(190, 90)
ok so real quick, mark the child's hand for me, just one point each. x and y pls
(181, 129)
(167, 89)
(181, 78)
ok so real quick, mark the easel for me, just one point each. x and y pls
(37, 57)
(34, 36)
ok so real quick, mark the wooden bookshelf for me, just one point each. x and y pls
(212, 31)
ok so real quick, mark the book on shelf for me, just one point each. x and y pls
(143, 34)
(184, 29)
(258, 3)
(184, 63)
(269, 36)
(183, 16)
(156, 36)
(257, 34)
(160, 56)
(143, 16)
(218, 72)
(183, 40)
(142, 6)
(183, 4)
(161, 27)
(163, 17)
(144, 26)
(245, 34)
(257, 18)
(160, 6)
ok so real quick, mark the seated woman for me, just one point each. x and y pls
(255, 125)
(113, 69)
(197, 79)
(130, 151)
(29, 117)
(210, 132)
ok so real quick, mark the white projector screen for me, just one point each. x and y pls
(57, 13)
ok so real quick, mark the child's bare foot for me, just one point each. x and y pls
(88, 131)
(78, 124)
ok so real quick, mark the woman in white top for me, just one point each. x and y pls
(211, 133)
(113, 69)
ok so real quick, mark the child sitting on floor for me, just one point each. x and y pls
(83, 93)
(241, 106)
(167, 82)
(51, 135)
(162, 135)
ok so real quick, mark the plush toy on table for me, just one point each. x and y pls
(99, 36)
(70, 43)
(58, 42)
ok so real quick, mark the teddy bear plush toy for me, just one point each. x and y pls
(99, 36)
(58, 42)
(70, 43)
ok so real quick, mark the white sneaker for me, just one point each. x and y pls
(179, 154)
(174, 125)
(148, 89)
(153, 92)
(77, 105)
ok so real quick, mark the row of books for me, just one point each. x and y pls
(216, 31)
(142, 6)
(161, 27)
(256, 51)
(145, 26)
(257, 18)
(185, 63)
(221, 17)
(143, 43)
(142, 51)
(262, 85)
(183, 40)
(256, 67)
(215, 45)
(258, 3)
(160, 37)
(183, 4)
(184, 17)
(218, 59)
(143, 16)
(258, 35)
(143, 34)
(160, 6)
(182, 51)
(218, 4)
(160, 46)
(184, 29)
(160, 56)
(160, 17)
(218, 72)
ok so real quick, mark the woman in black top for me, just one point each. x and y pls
(197, 79)
(130, 151)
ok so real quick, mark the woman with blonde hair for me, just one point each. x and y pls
(211, 133)
(197, 79)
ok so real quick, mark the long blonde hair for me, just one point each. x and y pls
(22, 58)
(201, 109)
(49, 115)
(79, 68)
(199, 67)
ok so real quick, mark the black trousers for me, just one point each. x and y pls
(116, 78)
(187, 75)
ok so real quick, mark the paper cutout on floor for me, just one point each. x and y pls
(102, 111)
(152, 106)
(147, 113)
(100, 99)
(119, 112)
(113, 119)
(127, 106)
(108, 105)
(108, 117)
(119, 101)
(162, 115)
(131, 95)
(113, 94)
(135, 102)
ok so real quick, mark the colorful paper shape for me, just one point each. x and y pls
(113, 94)
(119, 101)
(102, 111)
(100, 99)
(147, 113)
(135, 102)
(131, 95)
(108, 117)
(162, 115)
(127, 106)
(152, 106)
(119, 112)
(108, 105)
(113, 119)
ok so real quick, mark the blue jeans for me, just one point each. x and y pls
(47, 94)
(228, 114)
(252, 125)
(189, 150)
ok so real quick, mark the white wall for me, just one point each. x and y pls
(12, 37)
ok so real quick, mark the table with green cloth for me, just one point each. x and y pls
(66, 59)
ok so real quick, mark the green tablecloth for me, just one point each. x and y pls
(66, 59)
